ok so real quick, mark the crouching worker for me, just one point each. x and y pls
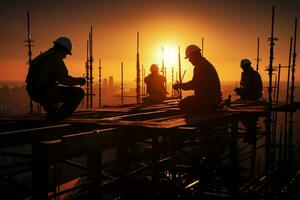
(155, 85)
(49, 83)
(205, 83)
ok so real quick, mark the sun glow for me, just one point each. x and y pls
(170, 56)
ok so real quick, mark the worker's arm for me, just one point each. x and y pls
(64, 78)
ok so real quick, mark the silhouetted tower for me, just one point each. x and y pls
(29, 45)
(111, 82)
(91, 67)
(122, 84)
(138, 89)
(105, 84)
(100, 85)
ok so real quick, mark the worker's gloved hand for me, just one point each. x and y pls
(81, 81)
(176, 86)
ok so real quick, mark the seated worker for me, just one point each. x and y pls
(48, 70)
(205, 83)
(155, 85)
(251, 84)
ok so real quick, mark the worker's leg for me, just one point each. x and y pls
(196, 105)
(70, 97)
(188, 104)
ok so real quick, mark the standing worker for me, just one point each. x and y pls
(155, 86)
(46, 72)
(251, 84)
(205, 83)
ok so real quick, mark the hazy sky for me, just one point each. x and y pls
(230, 29)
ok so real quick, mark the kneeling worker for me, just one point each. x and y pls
(48, 70)
(205, 83)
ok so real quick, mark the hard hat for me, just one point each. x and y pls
(245, 62)
(154, 68)
(191, 49)
(65, 42)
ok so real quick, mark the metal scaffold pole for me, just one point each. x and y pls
(29, 45)
(91, 67)
(269, 115)
(257, 56)
(287, 97)
(138, 88)
(143, 77)
(179, 72)
(292, 99)
(122, 84)
(172, 81)
(202, 47)
(100, 85)
(87, 92)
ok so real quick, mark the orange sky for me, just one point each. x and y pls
(229, 28)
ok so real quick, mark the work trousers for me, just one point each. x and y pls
(197, 105)
(62, 100)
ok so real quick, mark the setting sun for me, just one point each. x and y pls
(170, 55)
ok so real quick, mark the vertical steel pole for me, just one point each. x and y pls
(257, 56)
(179, 72)
(100, 85)
(87, 76)
(291, 131)
(202, 47)
(29, 45)
(91, 67)
(138, 89)
(269, 120)
(122, 84)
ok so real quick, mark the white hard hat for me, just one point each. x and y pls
(245, 62)
(191, 49)
(65, 42)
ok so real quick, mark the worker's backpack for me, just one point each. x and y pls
(32, 77)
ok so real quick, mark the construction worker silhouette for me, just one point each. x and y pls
(251, 84)
(155, 86)
(205, 83)
(250, 90)
(49, 83)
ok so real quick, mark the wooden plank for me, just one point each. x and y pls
(35, 129)
(170, 123)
